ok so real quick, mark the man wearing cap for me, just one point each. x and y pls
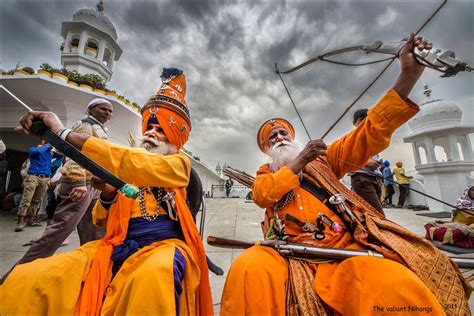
(151, 261)
(295, 189)
(77, 195)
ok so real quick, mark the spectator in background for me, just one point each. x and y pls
(388, 183)
(34, 185)
(3, 168)
(53, 198)
(464, 213)
(77, 194)
(383, 191)
(228, 186)
(403, 183)
(364, 181)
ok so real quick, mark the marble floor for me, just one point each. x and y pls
(235, 218)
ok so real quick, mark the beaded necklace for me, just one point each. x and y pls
(141, 199)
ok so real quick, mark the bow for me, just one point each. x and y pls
(442, 61)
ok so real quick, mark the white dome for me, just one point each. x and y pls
(97, 19)
(436, 114)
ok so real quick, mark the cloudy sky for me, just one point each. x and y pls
(227, 50)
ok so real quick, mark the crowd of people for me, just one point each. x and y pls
(151, 260)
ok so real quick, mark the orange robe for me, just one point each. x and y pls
(144, 284)
(358, 286)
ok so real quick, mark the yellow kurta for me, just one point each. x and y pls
(144, 284)
(256, 282)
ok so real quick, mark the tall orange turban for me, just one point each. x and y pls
(168, 108)
(268, 126)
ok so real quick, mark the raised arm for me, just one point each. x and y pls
(394, 109)
(133, 165)
(372, 136)
(138, 166)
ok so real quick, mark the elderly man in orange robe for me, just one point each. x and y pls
(295, 189)
(151, 260)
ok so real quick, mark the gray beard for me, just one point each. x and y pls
(281, 155)
(155, 146)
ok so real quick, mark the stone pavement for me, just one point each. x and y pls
(233, 218)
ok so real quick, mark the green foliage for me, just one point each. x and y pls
(75, 76)
(94, 80)
(46, 67)
(12, 71)
(29, 70)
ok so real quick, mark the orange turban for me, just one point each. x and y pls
(168, 108)
(399, 164)
(268, 126)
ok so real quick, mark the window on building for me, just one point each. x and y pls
(422, 154)
(92, 47)
(461, 154)
(440, 154)
(107, 60)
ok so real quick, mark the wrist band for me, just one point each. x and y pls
(64, 132)
(107, 202)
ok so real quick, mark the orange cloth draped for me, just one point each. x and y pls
(193, 240)
(334, 281)
(119, 216)
(98, 278)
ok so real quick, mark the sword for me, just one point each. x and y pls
(72, 152)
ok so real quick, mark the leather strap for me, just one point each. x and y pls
(318, 193)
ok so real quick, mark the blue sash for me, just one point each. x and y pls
(141, 233)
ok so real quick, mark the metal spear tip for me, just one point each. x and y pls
(337, 199)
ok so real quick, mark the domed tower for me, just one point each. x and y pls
(442, 149)
(90, 43)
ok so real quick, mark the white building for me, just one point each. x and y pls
(90, 43)
(442, 150)
(45, 92)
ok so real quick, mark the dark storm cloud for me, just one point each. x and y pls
(228, 50)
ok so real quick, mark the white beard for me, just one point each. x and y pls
(282, 153)
(156, 146)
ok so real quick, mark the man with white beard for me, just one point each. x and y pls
(151, 260)
(295, 190)
(160, 144)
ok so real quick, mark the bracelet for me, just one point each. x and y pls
(64, 132)
(107, 202)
